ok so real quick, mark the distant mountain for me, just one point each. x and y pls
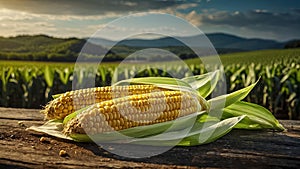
(219, 40)
(293, 44)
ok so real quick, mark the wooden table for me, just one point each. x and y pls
(238, 149)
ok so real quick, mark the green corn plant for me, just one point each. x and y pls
(5, 77)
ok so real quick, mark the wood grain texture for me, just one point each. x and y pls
(238, 149)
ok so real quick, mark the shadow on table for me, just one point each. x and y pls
(240, 148)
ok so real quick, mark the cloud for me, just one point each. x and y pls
(187, 6)
(255, 18)
(10, 29)
(13, 15)
(15, 22)
(279, 25)
(6, 14)
(93, 7)
(193, 17)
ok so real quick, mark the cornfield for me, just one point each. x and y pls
(31, 84)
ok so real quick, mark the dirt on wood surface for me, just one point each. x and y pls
(238, 149)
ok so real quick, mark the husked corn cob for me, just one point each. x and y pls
(71, 101)
(135, 110)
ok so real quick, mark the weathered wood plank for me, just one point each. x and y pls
(20, 114)
(238, 149)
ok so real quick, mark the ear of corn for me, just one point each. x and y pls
(69, 102)
(136, 110)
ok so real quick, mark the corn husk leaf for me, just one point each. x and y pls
(228, 99)
(154, 81)
(199, 134)
(257, 117)
(51, 127)
(211, 133)
(204, 83)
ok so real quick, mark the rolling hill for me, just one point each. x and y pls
(46, 48)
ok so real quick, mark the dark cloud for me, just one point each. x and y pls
(81, 7)
(281, 24)
(253, 18)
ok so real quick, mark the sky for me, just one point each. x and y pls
(269, 19)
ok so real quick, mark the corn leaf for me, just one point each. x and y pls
(103, 74)
(257, 117)
(49, 76)
(204, 83)
(198, 135)
(211, 133)
(154, 80)
(63, 75)
(228, 99)
(5, 77)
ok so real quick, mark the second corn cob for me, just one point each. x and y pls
(136, 110)
(71, 101)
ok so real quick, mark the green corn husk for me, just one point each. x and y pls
(206, 126)
(257, 117)
(205, 83)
